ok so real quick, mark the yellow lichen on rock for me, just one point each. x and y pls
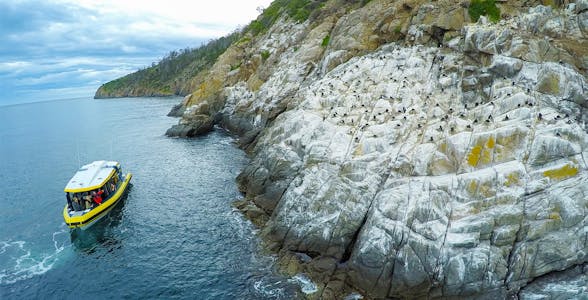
(561, 173)
(481, 153)
(490, 143)
(474, 156)
(512, 179)
(358, 151)
(472, 187)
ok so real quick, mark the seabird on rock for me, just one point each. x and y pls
(431, 139)
(506, 118)
(540, 116)
(469, 126)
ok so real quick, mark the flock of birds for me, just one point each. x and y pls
(417, 100)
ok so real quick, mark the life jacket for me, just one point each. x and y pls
(98, 198)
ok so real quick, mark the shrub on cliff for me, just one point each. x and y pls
(299, 10)
(484, 8)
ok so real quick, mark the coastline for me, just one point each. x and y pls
(397, 166)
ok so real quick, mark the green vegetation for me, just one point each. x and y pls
(364, 2)
(265, 54)
(299, 10)
(326, 40)
(164, 77)
(484, 7)
(173, 73)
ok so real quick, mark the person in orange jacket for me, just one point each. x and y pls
(98, 197)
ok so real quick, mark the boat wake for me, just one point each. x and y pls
(18, 260)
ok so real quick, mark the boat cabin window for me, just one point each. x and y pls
(88, 200)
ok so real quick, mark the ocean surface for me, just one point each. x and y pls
(176, 235)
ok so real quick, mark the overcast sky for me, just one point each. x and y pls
(53, 49)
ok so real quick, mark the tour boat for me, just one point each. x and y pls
(93, 191)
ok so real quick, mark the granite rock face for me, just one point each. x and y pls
(418, 157)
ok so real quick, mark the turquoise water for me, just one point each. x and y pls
(175, 236)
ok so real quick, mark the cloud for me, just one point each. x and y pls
(65, 44)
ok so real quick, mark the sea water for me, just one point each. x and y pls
(176, 235)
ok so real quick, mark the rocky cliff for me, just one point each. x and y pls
(401, 151)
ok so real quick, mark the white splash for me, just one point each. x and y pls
(269, 290)
(18, 262)
(306, 285)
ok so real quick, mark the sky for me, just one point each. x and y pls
(58, 49)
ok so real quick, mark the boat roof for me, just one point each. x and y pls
(91, 176)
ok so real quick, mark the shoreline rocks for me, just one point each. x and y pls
(411, 157)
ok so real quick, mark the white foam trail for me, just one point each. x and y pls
(353, 296)
(306, 285)
(19, 264)
(269, 290)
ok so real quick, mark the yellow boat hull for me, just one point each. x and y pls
(89, 218)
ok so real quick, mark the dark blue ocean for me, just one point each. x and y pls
(176, 235)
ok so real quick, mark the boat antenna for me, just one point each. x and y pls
(78, 152)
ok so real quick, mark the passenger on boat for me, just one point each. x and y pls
(76, 203)
(97, 197)
(69, 204)
(112, 187)
(87, 200)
